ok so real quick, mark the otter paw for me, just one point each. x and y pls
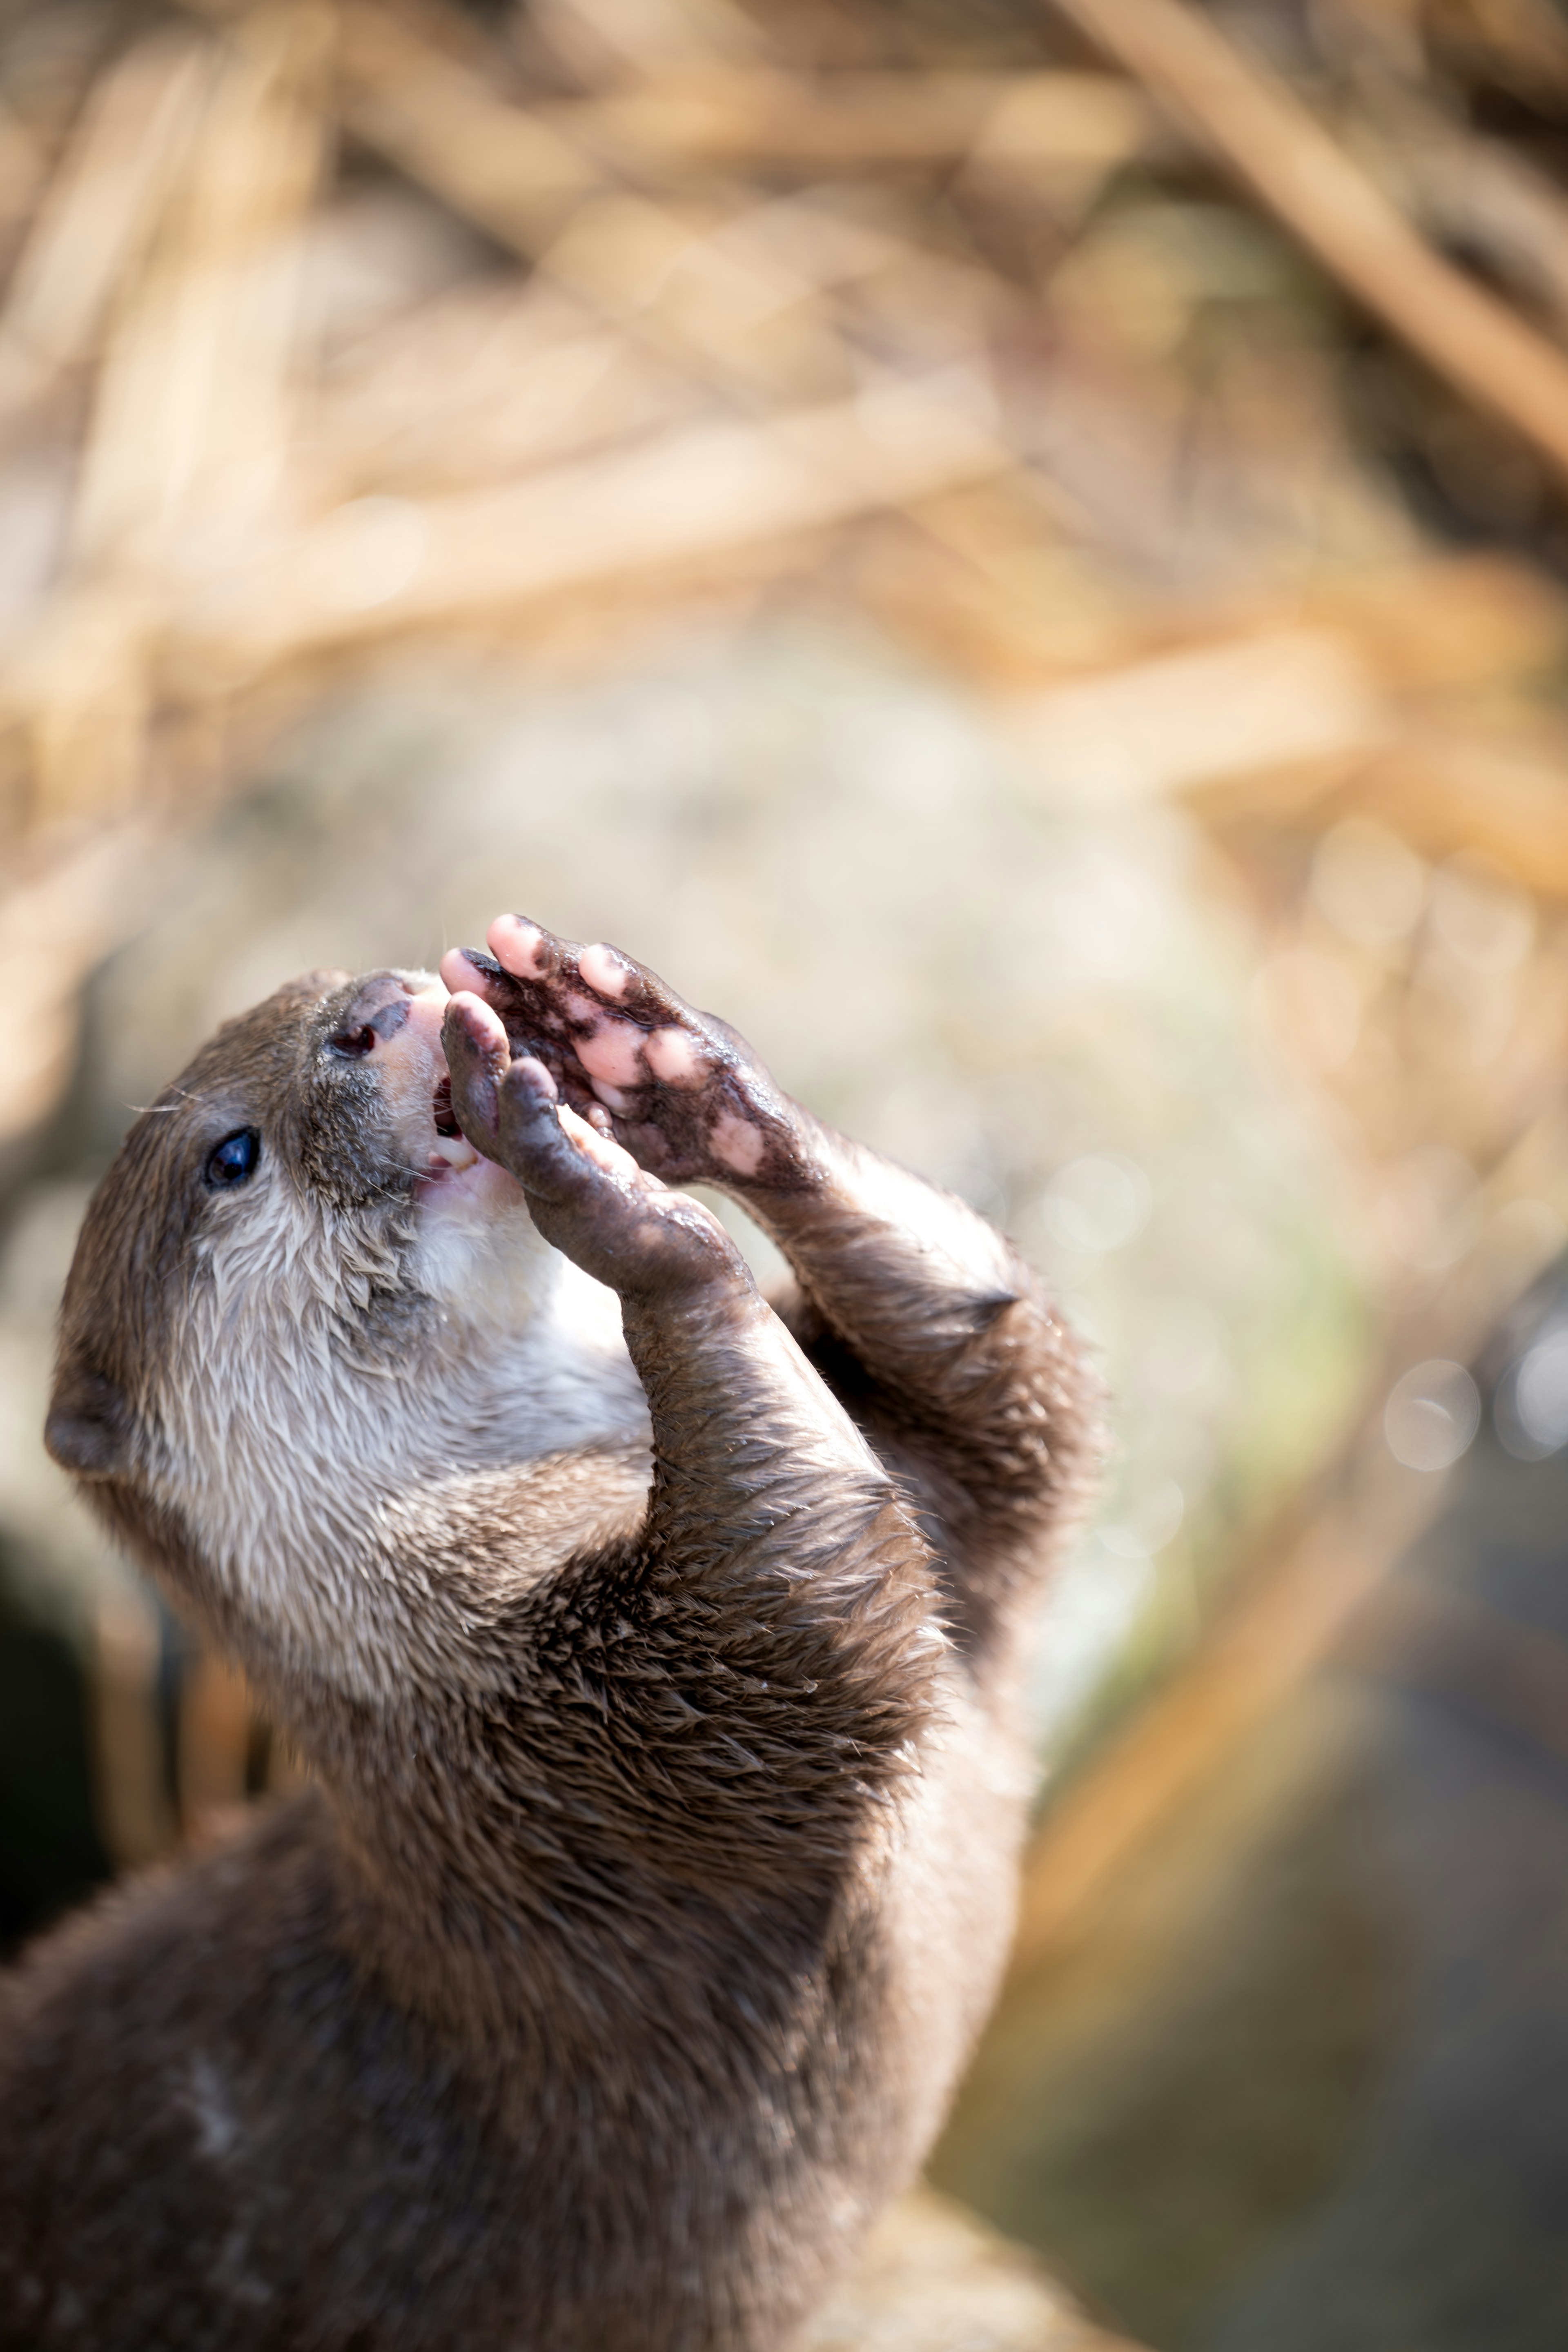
(678, 1088)
(586, 1195)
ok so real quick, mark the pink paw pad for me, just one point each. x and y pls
(519, 946)
(605, 970)
(612, 1052)
(602, 1150)
(459, 976)
(483, 1025)
(675, 1058)
(736, 1144)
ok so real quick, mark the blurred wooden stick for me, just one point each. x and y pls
(1251, 1660)
(496, 164)
(1317, 1572)
(485, 384)
(1445, 789)
(1264, 133)
(188, 437)
(860, 123)
(607, 43)
(382, 564)
(1480, 192)
(190, 416)
(55, 924)
(934, 2279)
(100, 210)
(666, 283)
(131, 1796)
(217, 1724)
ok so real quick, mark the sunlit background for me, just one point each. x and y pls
(1016, 551)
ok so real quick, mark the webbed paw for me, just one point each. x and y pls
(684, 1095)
(586, 1195)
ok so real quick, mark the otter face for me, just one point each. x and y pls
(270, 1320)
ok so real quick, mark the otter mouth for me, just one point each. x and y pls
(451, 1153)
(393, 1023)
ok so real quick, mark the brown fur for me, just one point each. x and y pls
(660, 1869)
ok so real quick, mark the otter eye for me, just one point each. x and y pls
(233, 1160)
(354, 1042)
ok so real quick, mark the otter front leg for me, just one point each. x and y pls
(778, 1614)
(920, 1314)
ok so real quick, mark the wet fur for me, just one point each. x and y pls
(661, 1864)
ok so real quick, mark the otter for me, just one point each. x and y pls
(657, 1649)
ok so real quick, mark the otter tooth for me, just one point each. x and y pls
(457, 1151)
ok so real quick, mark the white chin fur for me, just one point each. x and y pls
(478, 1250)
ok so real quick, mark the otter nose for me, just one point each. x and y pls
(396, 1016)
(424, 1011)
(409, 1047)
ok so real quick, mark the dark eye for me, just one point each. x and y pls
(235, 1159)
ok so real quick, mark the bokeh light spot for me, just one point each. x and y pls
(1532, 1409)
(1368, 884)
(1432, 1415)
(1096, 1203)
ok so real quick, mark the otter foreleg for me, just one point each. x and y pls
(779, 1561)
(921, 1315)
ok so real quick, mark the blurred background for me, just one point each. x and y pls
(1016, 549)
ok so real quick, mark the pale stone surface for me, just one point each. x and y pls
(934, 2279)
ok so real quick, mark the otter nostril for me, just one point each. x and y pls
(354, 1042)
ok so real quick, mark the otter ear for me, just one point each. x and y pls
(90, 1424)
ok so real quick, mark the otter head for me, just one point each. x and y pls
(296, 1295)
